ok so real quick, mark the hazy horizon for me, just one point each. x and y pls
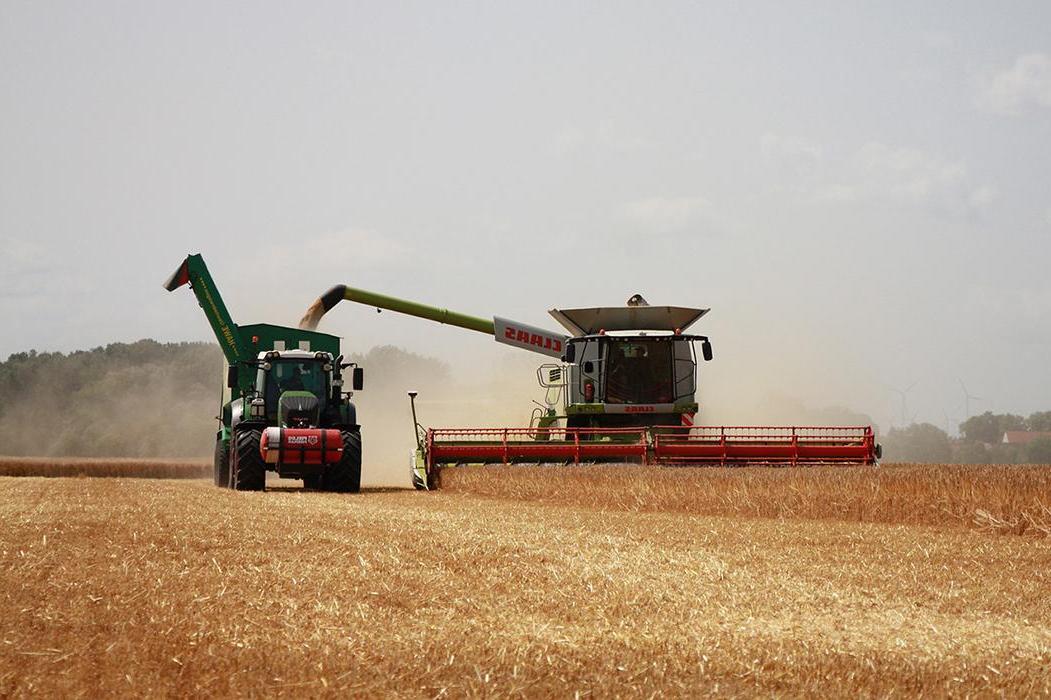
(859, 192)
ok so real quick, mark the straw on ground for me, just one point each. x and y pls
(177, 587)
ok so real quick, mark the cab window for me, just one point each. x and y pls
(294, 375)
(639, 370)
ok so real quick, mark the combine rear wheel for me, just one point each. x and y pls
(247, 469)
(345, 477)
(222, 464)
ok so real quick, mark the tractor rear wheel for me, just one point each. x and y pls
(222, 464)
(248, 470)
(345, 476)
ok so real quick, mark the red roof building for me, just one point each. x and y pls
(1024, 437)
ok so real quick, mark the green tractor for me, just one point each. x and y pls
(283, 405)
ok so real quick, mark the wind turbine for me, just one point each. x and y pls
(904, 400)
(967, 398)
(948, 423)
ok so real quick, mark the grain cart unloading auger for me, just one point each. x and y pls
(283, 407)
(623, 389)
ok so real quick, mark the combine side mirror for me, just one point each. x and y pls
(706, 350)
(358, 380)
(571, 353)
(231, 377)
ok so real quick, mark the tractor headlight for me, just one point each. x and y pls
(266, 366)
(327, 367)
(257, 409)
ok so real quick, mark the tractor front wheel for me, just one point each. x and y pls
(345, 476)
(248, 470)
(222, 464)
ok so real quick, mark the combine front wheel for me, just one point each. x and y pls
(423, 479)
(345, 476)
(248, 470)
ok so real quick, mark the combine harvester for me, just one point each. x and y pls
(283, 407)
(623, 389)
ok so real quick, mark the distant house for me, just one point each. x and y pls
(1024, 437)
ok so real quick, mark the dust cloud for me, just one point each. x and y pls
(143, 400)
(152, 400)
(148, 400)
(489, 399)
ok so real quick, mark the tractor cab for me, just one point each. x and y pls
(295, 387)
(299, 388)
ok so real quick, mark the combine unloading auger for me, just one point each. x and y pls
(623, 390)
(506, 331)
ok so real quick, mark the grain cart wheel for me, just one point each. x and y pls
(312, 482)
(222, 464)
(248, 470)
(345, 477)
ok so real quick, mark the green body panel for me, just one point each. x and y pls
(260, 337)
(584, 408)
(548, 420)
(596, 408)
(226, 331)
(282, 419)
(412, 308)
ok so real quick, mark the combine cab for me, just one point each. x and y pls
(617, 376)
(623, 389)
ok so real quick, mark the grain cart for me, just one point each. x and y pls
(283, 407)
(623, 389)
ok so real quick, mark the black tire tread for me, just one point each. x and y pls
(345, 477)
(221, 464)
(248, 470)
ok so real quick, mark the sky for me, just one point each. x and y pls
(861, 192)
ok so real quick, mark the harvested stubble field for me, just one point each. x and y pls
(124, 586)
(83, 466)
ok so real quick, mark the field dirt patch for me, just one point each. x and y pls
(152, 587)
(130, 468)
(1004, 498)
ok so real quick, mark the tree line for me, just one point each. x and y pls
(143, 399)
(980, 441)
